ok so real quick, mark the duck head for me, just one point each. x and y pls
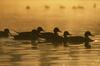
(39, 29)
(6, 30)
(56, 30)
(66, 33)
(88, 33)
(34, 31)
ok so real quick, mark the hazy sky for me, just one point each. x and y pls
(37, 7)
(16, 6)
(49, 12)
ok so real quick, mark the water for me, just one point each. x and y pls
(16, 17)
(21, 53)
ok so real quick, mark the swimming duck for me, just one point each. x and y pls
(47, 7)
(62, 7)
(5, 33)
(52, 37)
(78, 39)
(28, 35)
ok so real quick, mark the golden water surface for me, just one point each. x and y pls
(76, 16)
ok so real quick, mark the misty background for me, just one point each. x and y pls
(72, 15)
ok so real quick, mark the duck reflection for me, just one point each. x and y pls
(73, 57)
(15, 58)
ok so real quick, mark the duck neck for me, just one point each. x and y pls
(86, 36)
(56, 33)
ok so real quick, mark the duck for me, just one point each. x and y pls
(28, 35)
(5, 33)
(62, 7)
(52, 37)
(47, 7)
(78, 39)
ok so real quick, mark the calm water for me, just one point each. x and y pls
(16, 17)
(21, 53)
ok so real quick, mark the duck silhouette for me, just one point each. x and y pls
(78, 39)
(47, 7)
(28, 35)
(62, 7)
(52, 37)
(5, 33)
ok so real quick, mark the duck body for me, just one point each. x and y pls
(58, 40)
(77, 39)
(47, 36)
(23, 36)
(32, 35)
(4, 34)
(27, 36)
(52, 37)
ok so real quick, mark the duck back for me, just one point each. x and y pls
(47, 36)
(76, 39)
(23, 36)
